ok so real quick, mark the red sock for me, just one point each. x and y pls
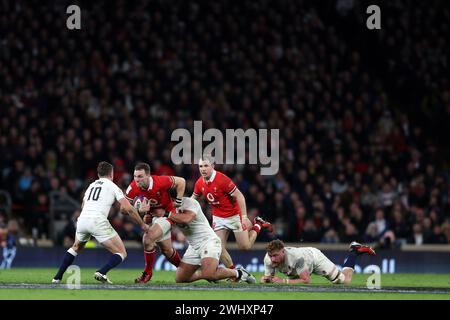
(256, 228)
(175, 258)
(149, 257)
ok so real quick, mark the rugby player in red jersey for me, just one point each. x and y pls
(155, 190)
(229, 210)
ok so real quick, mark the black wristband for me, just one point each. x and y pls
(178, 200)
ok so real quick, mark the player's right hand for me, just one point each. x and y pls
(266, 279)
(145, 227)
(147, 218)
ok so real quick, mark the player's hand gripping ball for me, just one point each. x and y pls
(139, 202)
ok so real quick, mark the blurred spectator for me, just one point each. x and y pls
(417, 237)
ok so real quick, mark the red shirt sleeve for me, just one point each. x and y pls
(198, 188)
(166, 182)
(130, 193)
(227, 185)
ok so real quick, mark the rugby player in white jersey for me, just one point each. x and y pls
(201, 259)
(93, 221)
(299, 263)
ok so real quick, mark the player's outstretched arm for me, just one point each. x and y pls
(128, 209)
(266, 279)
(291, 281)
(180, 186)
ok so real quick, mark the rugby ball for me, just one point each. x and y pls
(137, 202)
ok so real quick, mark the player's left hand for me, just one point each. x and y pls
(145, 207)
(177, 202)
(277, 280)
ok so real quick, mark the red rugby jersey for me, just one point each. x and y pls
(217, 191)
(157, 192)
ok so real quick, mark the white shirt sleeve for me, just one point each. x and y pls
(117, 192)
(300, 265)
(268, 269)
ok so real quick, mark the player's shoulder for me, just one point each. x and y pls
(158, 179)
(222, 178)
(199, 180)
(190, 203)
(132, 185)
(221, 175)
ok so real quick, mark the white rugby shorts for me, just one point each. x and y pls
(210, 249)
(97, 227)
(232, 223)
(322, 265)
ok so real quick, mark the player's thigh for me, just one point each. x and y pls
(114, 245)
(209, 266)
(223, 235)
(210, 255)
(161, 229)
(185, 271)
(242, 239)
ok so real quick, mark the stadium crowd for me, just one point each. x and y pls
(354, 163)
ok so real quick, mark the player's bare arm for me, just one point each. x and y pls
(180, 186)
(195, 197)
(182, 217)
(266, 279)
(304, 277)
(237, 194)
(128, 209)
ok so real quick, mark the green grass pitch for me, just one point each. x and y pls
(195, 291)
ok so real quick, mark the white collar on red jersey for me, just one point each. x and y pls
(150, 183)
(211, 178)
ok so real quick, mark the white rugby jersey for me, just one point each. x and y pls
(99, 197)
(297, 260)
(198, 231)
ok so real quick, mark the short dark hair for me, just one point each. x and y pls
(143, 166)
(274, 245)
(104, 169)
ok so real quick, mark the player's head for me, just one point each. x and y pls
(275, 250)
(105, 170)
(142, 174)
(206, 166)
